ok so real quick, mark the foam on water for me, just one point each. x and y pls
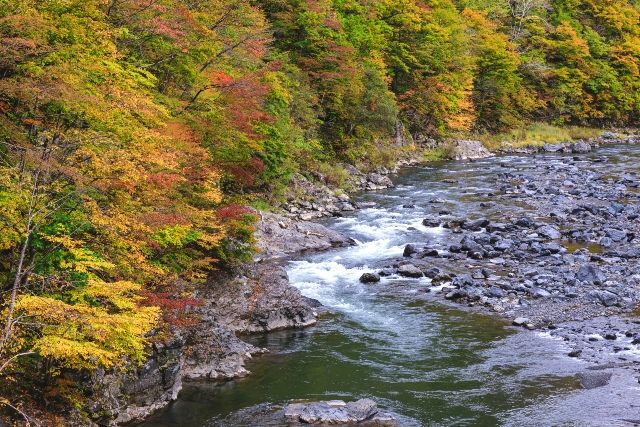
(327, 272)
(373, 250)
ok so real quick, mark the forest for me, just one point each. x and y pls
(138, 136)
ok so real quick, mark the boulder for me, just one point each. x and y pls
(553, 148)
(590, 274)
(376, 181)
(606, 298)
(431, 222)
(476, 224)
(469, 149)
(549, 231)
(331, 412)
(369, 278)
(520, 321)
(615, 234)
(409, 270)
(409, 250)
(594, 379)
(280, 237)
(580, 147)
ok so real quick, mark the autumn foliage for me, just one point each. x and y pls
(133, 134)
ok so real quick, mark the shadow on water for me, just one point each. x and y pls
(443, 367)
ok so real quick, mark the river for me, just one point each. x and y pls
(433, 364)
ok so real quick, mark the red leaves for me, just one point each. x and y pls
(245, 174)
(164, 180)
(220, 79)
(166, 28)
(175, 309)
(233, 211)
(244, 99)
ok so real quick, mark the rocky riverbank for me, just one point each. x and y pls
(573, 259)
(313, 199)
(564, 260)
(255, 298)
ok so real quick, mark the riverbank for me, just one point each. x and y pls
(403, 344)
(309, 200)
(257, 306)
(553, 248)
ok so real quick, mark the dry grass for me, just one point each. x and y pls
(537, 134)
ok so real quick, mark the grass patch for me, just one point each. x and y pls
(537, 134)
(436, 154)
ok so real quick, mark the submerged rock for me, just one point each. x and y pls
(594, 379)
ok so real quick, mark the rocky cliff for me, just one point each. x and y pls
(255, 298)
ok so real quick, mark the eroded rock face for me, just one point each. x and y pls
(255, 298)
(280, 237)
(308, 200)
(117, 398)
(258, 299)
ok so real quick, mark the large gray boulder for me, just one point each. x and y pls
(337, 412)
(279, 237)
(465, 149)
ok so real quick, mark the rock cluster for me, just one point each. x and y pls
(309, 200)
(255, 298)
(279, 237)
(577, 147)
(560, 242)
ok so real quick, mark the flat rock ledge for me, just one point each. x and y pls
(280, 237)
(337, 412)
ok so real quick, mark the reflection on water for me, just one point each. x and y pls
(432, 364)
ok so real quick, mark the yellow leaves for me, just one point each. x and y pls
(101, 326)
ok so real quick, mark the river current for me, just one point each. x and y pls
(434, 365)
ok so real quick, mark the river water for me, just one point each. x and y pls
(431, 364)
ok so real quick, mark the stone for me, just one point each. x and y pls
(429, 252)
(520, 321)
(606, 298)
(431, 222)
(409, 270)
(594, 379)
(525, 222)
(590, 274)
(409, 250)
(476, 224)
(335, 412)
(377, 181)
(580, 147)
(279, 237)
(469, 149)
(463, 280)
(553, 148)
(615, 234)
(503, 245)
(549, 231)
(369, 278)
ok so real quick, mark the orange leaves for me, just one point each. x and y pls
(220, 79)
